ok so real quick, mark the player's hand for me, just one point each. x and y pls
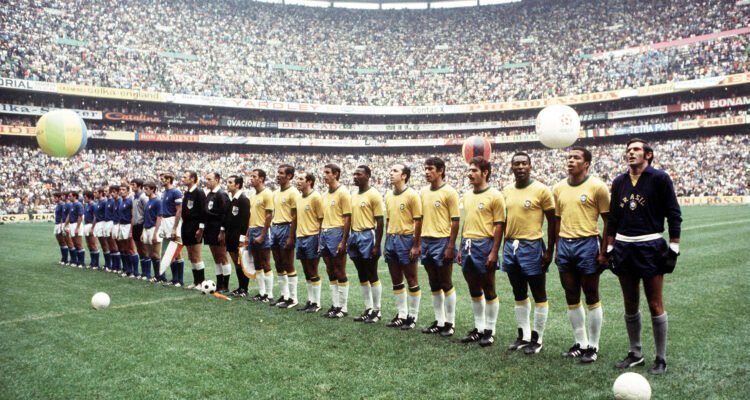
(289, 244)
(459, 258)
(375, 252)
(259, 240)
(601, 259)
(173, 235)
(414, 253)
(491, 260)
(341, 248)
(222, 238)
(199, 234)
(449, 255)
(153, 240)
(546, 259)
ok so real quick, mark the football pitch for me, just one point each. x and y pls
(157, 342)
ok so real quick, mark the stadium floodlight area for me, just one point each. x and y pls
(389, 4)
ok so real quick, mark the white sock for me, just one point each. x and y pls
(540, 318)
(261, 279)
(364, 287)
(438, 303)
(283, 285)
(334, 293)
(578, 322)
(477, 306)
(227, 269)
(377, 294)
(400, 296)
(292, 282)
(490, 314)
(414, 299)
(344, 296)
(199, 266)
(310, 295)
(595, 318)
(450, 306)
(268, 276)
(523, 313)
(316, 293)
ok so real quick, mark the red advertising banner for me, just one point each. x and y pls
(161, 137)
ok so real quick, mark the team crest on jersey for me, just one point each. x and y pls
(190, 204)
(633, 205)
(583, 199)
(401, 206)
(307, 207)
(437, 204)
(481, 206)
(211, 205)
(283, 200)
(235, 210)
(333, 203)
(362, 204)
(527, 204)
(633, 201)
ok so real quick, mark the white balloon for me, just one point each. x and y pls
(100, 301)
(557, 126)
(631, 386)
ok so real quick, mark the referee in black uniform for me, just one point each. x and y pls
(193, 223)
(236, 220)
(217, 203)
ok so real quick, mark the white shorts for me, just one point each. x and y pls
(123, 232)
(59, 229)
(148, 236)
(75, 232)
(109, 229)
(87, 229)
(99, 229)
(165, 229)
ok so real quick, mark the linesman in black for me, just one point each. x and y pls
(236, 220)
(193, 224)
(217, 204)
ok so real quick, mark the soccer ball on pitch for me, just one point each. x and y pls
(631, 386)
(100, 301)
(208, 287)
(61, 133)
(557, 126)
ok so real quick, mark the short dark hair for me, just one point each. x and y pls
(216, 175)
(261, 173)
(335, 169)
(73, 193)
(483, 165)
(309, 177)
(646, 148)
(56, 194)
(366, 169)
(436, 162)
(151, 185)
(88, 194)
(138, 182)
(521, 153)
(193, 174)
(168, 176)
(237, 180)
(288, 169)
(124, 185)
(586, 153)
(114, 188)
(405, 170)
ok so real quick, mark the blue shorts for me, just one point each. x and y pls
(474, 255)
(397, 248)
(578, 255)
(432, 251)
(279, 234)
(641, 259)
(307, 247)
(254, 233)
(329, 241)
(526, 257)
(360, 244)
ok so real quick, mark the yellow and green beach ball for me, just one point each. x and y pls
(61, 133)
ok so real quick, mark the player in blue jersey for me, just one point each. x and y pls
(59, 224)
(112, 228)
(150, 235)
(66, 234)
(139, 205)
(74, 228)
(100, 224)
(171, 206)
(89, 217)
(124, 234)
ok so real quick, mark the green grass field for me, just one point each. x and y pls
(157, 342)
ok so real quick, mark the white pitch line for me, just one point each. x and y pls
(117, 307)
(738, 221)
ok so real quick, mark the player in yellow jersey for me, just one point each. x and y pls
(337, 212)
(404, 230)
(580, 200)
(525, 258)
(439, 230)
(261, 214)
(309, 221)
(481, 236)
(364, 242)
(283, 234)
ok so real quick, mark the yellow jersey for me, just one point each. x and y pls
(439, 208)
(525, 210)
(284, 201)
(482, 210)
(579, 206)
(309, 214)
(259, 204)
(402, 209)
(365, 207)
(336, 204)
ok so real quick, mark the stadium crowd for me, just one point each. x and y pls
(699, 166)
(236, 48)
